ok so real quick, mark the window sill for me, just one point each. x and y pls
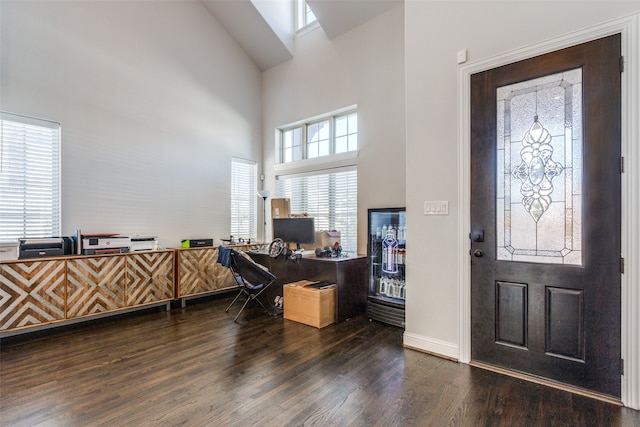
(307, 29)
(319, 163)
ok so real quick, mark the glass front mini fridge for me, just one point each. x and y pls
(386, 252)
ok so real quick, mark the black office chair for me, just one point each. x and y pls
(252, 278)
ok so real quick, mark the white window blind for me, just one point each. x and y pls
(29, 178)
(243, 198)
(330, 197)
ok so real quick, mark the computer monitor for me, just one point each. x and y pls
(295, 230)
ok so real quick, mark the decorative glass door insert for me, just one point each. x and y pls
(539, 170)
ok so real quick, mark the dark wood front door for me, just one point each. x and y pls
(545, 216)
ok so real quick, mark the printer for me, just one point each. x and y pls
(41, 247)
(144, 243)
(105, 244)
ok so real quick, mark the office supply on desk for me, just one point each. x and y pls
(252, 278)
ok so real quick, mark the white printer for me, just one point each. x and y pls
(144, 243)
(96, 244)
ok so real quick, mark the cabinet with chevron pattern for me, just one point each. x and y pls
(199, 272)
(38, 293)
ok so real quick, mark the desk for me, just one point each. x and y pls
(349, 275)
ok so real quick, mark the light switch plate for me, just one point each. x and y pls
(436, 207)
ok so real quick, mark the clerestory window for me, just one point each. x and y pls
(322, 136)
(304, 14)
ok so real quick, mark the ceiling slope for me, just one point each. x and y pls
(338, 17)
(263, 29)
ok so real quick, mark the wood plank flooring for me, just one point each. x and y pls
(196, 367)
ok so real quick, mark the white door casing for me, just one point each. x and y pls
(629, 28)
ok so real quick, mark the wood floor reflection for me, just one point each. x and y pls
(196, 367)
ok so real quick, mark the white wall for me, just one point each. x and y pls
(435, 31)
(154, 99)
(365, 67)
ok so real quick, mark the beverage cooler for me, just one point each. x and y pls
(386, 251)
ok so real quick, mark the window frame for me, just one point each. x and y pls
(304, 126)
(333, 182)
(334, 163)
(249, 196)
(33, 225)
(302, 15)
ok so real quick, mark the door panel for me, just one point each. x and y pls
(548, 305)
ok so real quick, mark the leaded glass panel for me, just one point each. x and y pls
(539, 170)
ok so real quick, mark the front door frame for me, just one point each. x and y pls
(629, 28)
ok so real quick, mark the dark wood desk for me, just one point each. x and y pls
(349, 275)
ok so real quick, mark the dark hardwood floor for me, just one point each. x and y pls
(196, 367)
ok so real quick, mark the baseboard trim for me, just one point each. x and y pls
(432, 346)
(547, 382)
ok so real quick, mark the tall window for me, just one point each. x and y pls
(330, 197)
(305, 14)
(316, 173)
(29, 177)
(243, 198)
(323, 136)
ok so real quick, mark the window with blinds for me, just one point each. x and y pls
(330, 197)
(243, 198)
(29, 177)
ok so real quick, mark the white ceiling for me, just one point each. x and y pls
(264, 29)
(339, 16)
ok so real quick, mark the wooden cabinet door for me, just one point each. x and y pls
(149, 278)
(95, 285)
(199, 272)
(31, 293)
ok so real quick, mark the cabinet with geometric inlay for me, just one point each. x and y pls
(44, 292)
(31, 293)
(149, 278)
(95, 285)
(199, 274)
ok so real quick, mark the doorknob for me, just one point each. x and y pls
(477, 253)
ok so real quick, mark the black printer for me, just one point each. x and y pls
(41, 247)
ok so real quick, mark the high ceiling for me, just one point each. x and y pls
(265, 28)
(339, 16)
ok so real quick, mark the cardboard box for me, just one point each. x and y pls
(280, 208)
(313, 307)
